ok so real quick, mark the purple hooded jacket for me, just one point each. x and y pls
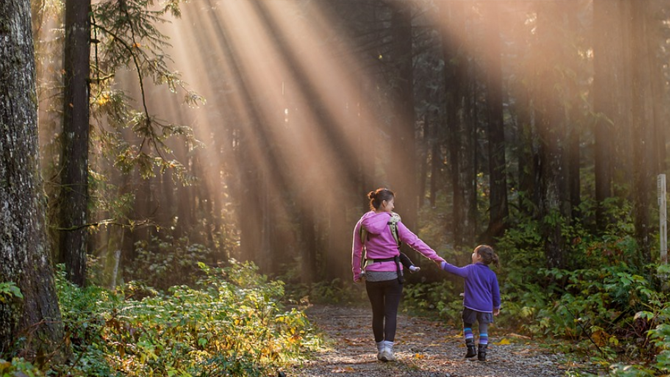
(482, 293)
(381, 244)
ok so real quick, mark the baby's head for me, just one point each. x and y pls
(487, 254)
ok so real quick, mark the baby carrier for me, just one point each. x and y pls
(400, 258)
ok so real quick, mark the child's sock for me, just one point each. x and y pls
(483, 333)
(467, 333)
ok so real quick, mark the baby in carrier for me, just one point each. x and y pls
(406, 262)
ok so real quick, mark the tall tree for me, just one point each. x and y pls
(554, 200)
(498, 209)
(401, 170)
(460, 127)
(34, 317)
(73, 198)
(604, 25)
(641, 127)
(454, 67)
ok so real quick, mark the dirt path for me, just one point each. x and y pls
(423, 348)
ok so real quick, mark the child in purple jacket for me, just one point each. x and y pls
(481, 299)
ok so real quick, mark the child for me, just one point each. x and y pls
(481, 298)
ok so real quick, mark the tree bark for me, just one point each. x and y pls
(604, 21)
(402, 168)
(551, 132)
(498, 208)
(453, 80)
(23, 247)
(641, 115)
(73, 198)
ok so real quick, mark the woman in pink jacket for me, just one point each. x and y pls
(382, 269)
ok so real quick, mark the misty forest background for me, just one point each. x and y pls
(181, 137)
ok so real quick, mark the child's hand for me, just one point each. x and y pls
(496, 311)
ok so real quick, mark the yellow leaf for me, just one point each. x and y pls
(419, 356)
(504, 342)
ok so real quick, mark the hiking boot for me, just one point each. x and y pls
(472, 351)
(387, 352)
(481, 355)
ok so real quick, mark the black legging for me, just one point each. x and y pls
(385, 298)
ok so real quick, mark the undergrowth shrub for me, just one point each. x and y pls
(440, 298)
(19, 367)
(167, 261)
(606, 301)
(657, 318)
(336, 292)
(233, 324)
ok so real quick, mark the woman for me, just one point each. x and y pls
(382, 270)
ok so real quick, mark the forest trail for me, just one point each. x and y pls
(423, 348)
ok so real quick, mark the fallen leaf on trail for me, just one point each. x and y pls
(503, 342)
(419, 356)
(343, 370)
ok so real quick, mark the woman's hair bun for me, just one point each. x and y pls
(372, 195)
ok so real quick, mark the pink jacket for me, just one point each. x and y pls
(380, 243)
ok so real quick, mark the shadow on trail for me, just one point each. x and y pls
(422, 347)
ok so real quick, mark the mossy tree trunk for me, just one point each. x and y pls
(30, 326)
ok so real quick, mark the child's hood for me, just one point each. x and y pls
(374, 222)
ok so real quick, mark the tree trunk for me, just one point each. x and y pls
(435, 162)
(658, 96)
(642, 143)
(73, 198)
(622, 164)
(604, 22)
(452, 83)
(551, 131)
(24, 250)
(573, 107)
(402, 168)
(498, 209)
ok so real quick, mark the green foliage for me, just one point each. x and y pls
(126, 35)
(18, 367)
(440, 298)
(233, 324)
(167, 261)
(606, 301)
(9, 290)
(327, 292)
(656, 317)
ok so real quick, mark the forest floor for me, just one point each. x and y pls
(425, 348)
